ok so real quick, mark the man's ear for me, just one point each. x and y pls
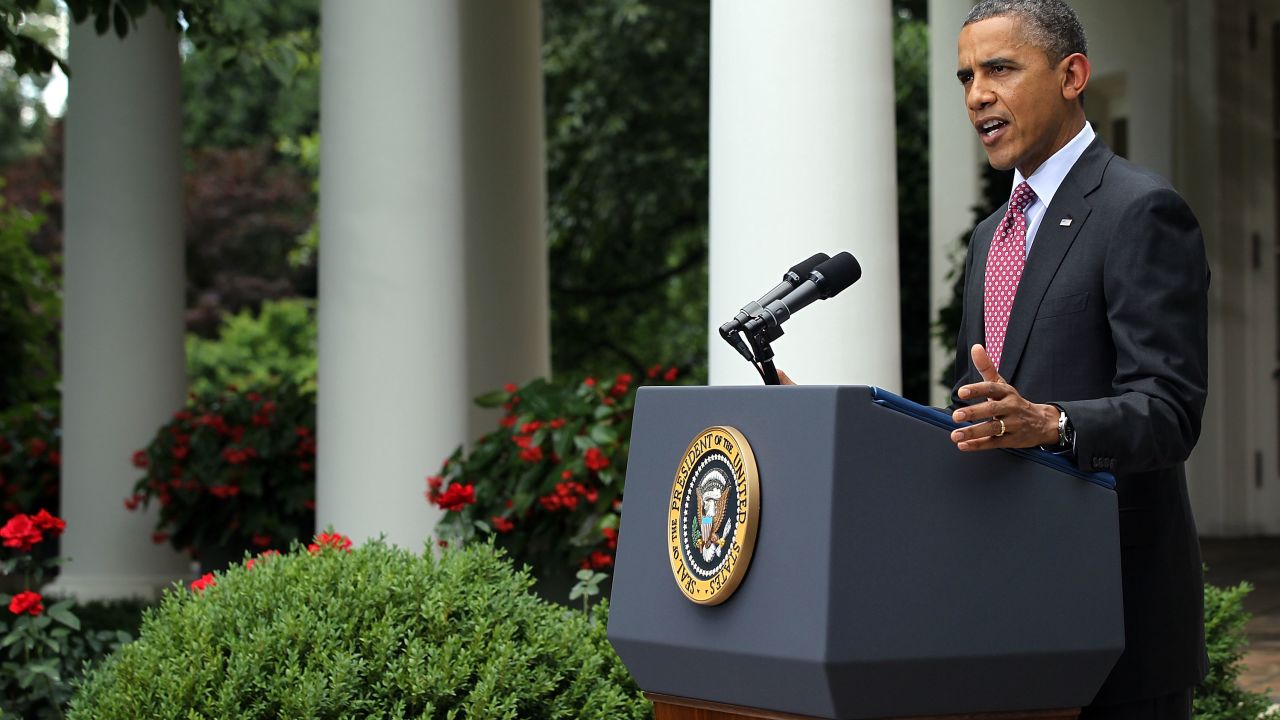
(1075, 75)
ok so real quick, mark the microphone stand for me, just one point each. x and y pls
(763, 350)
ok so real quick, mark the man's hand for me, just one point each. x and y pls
(782, 378)
(1024, 424)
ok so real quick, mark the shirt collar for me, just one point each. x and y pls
(1047, 178)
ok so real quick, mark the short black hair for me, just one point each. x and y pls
(1051, 24)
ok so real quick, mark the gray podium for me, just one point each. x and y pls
(893, 576)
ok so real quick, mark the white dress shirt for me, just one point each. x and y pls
(1047, 178)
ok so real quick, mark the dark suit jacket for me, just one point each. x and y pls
(1110, 322)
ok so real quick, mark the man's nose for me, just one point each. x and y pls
(979, 96)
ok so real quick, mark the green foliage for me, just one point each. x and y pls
(549, 479)
(588, 585)
(24, 38)
(30, 311)
(911, 75)
(378, 632)
(253, 75)
(255, 350)
(43, 650)
(1219, 696)
(627, 89)
(30, 457)
(233, 470)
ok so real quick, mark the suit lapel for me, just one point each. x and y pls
(1052, 241)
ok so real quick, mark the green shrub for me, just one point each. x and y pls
(44, 647)
(549, 477)
(30, 456)
(1219, 696)
(277, 344)
(379, 633)
(232, 471)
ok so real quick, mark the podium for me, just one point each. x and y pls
(892, 575)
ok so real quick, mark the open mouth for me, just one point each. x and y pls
(992, 129)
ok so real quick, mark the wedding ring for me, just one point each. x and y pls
(1001, 433)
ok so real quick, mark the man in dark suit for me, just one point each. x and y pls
(1085, 329)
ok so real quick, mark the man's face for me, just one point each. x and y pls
(1015, 97)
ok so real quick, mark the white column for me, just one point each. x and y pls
(433, 269)
(123, 372)
(955, 162)
(508, 323)
(802, 160)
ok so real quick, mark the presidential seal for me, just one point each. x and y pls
(713, 514)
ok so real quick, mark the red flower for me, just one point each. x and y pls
(653, 371)
(180, 452)
(620, 385)
(508, 421)
(557, 423)
(330, 540)
(531, 455)
(530, 427)
(304, 467)
(182, 415)
(456, 497)
(222, 492)
(596, 460)
(510, 387)
(601, 560)
(671, 374)
(302, 431)
(610, 537)
(589, 382)
(206, 580)
(131, 503)
(238, 457)
(253, 397)
(550, 502)
(159, 537)
(26, 602)
(260, 540)
(140, 459)
(524, 441)
(502, 525)
(45, 522)
(20, 533)
(55, 459)
(567, 475)
(435, 482)
(36, 447)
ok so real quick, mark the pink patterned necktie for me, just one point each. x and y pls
(1005, 261)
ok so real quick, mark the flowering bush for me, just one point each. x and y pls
(30, 458)
(44, 648)
(549, 480)
(374, 631)
(234, 470)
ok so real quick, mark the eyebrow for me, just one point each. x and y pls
(989, 63)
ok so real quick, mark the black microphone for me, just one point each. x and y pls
(790, 279)
(826, 280)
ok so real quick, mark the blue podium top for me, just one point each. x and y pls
(937, 417)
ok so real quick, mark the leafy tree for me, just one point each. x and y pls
(257, 76)
(30, 307)
(911, 73)
(627, 90)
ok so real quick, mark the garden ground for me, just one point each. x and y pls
(1256, 560)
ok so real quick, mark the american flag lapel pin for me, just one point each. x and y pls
(1065, 222)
